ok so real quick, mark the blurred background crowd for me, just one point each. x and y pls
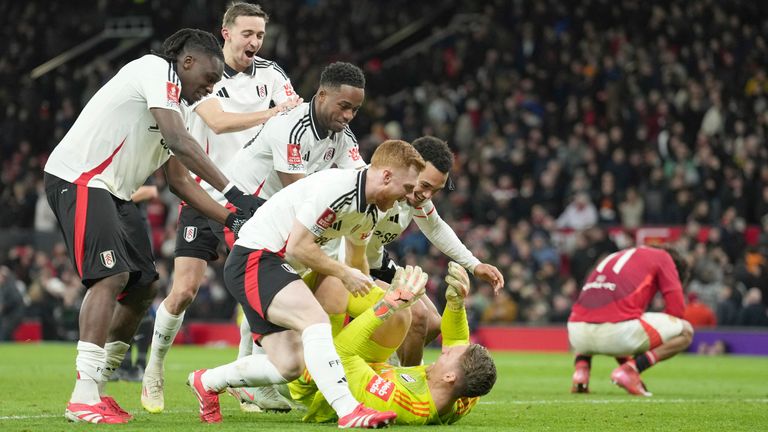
(576, 126)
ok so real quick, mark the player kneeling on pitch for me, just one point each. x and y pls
(609, 316)
(440, 393)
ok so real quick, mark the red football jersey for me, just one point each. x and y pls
(624, 283)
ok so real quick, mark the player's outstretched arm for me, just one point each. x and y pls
(301, 246)
(191, 155)
(454, 325)
(221, 121)
(186, 188)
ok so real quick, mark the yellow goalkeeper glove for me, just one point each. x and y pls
(458, 286)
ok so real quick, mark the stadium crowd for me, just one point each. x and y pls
(573, 125)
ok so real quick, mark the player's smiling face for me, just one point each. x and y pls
(243, 40)
(430, 182)
(198, 74)
(336, 107)
(398, 182)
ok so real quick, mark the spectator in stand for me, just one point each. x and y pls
(580, 214)
(754, 312)
(11, 305)
(697, 313)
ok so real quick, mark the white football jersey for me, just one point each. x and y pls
(330, 204)
(115, 143)
(239, 92)
(439, 233)
(290, 143)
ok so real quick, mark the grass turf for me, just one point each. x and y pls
(691, 393)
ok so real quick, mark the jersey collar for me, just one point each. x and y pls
(230, 72)
(314, 124)
(362, 203)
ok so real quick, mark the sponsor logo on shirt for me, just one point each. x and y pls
(261, 90)
(354, 154)
(190, 233)
(329, 154)
(380, 388)
(107, 258)
(172, 94)
(294, 154)
(288, 89)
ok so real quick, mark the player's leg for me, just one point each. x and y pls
(665, 336)
(90, 224)
(424, 329)
(195, 246)
(295, 307)
(580, 340)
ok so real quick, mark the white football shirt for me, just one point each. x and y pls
(330, 204)
(291, 143)
(437, 231)
(239, 92)
(115, 143)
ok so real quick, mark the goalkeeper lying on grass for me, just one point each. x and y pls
(439, 393)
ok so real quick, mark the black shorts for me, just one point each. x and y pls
(105, 235)
(199, 237)
(387, 271)
(254, 277)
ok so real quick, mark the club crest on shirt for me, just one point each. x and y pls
(190, 233)
(294, 154)
(261, 90)
(172, 94)
(107, 258)
(329, 154)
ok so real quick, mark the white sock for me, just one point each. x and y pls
(324, 365)
(253, 371)
(115, 352)
(89, 363)
(166, 328)
(246, 340)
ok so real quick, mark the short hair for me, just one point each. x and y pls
(479, 372)
(396, 153)
(188, 39)
(436, 151)
(338, 74)
(238, 9)
(681, 264)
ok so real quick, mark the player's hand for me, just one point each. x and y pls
(357, 282)
(288, 105)
(458, 286)
(235, 221)
(407, 287)
(247, 203)
(490, 274)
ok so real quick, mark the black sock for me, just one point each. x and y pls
(583, 358)
(642, 362)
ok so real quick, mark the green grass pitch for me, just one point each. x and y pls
(691, 393)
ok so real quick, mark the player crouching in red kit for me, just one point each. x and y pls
(609, 316)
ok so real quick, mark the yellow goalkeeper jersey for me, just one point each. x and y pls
(383, 387)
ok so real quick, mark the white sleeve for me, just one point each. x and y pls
(349, 156)
(282, 89)
(441, 235)
(315, 212)
(286, 156)
(159, 84)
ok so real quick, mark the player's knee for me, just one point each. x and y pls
(184, 290)
(687, 332)
(291, 367)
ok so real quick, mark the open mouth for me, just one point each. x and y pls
(250, 53)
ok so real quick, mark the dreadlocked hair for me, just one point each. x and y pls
(190, 40)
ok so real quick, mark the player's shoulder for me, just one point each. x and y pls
(295, 124)
(262, 63)
(348, 135)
